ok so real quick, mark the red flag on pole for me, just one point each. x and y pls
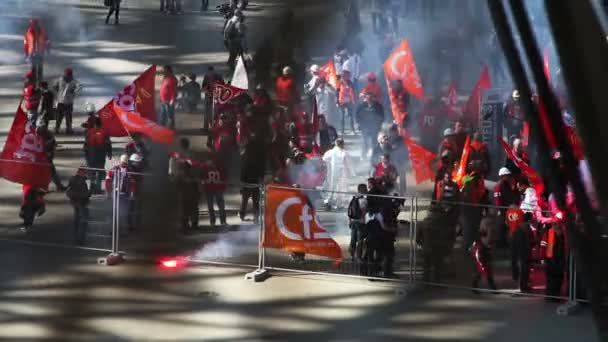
(473, 105)
(223, 94)
(535, 180)
(134, 122)
(136, 97)
(23, 159)
(291, 224)
(400, 66)
(464, 161)
(421, 160)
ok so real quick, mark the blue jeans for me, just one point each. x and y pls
(357, 231)
(167, 115)
(218, 198)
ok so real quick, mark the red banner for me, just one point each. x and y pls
(473, 106)
(400, 66)
(134, 122)
(23, 158)
(223, 94)
(329, 71)
(421, 160)
(292, 225)
(464, 161)
(535, 180)
(136, 97)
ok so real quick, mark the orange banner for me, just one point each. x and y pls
(291, 224)
(400, 66)
(133, 122)
(421, 159)
(464, 160)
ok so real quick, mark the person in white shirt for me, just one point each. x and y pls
(353, 65)
(529, 203)
(339, 171)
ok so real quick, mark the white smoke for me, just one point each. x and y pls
(230, 245)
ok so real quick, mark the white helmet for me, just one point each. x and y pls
(89, 108)
(503, 172)
(448, 132)
(314, 68)
(287, 70)
(136, 158)
(124, 159)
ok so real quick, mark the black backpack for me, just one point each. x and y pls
(354, 209)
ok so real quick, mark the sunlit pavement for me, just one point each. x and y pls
(61, 294)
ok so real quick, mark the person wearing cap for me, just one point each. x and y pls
(79, 195)
(339, 171)
(31, 97)
(373, 88)
(286, 92)
(97, 146)
(505, 195)
(234, 37)
(370, 115)
(66, 88)
(36, 45)
(114, 8)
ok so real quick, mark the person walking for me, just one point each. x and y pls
(36, 45)
(114, 8)
(79, 194)
(168, 95)
(66, 88)
(234, 37)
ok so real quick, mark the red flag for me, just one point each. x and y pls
(535, 180)
(329, 70)
(23, 159)
(291, 224)
(400, 65)
(134, 122)
(451, 103)
(223, 94)
(421, 160)
(473, 105)
(546, 65)
(464, 161)
(136, 97)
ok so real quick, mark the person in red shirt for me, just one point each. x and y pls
(36, 45)
(31, 97)
(223, 136)
(97, 147)
(286, 92)
(401, 97)
(479, 151)
(387, 172)
(168, 95)
(214, 186)
(372, 87)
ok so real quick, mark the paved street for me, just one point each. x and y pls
(59, 292)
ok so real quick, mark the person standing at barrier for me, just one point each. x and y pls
(214, 186)
(253, 166)
(124, 187)
(79, 195)
(188, 184)
(505, 195)
(386, 172)
(114, 8)
(136, 178)
(50, 144)
(36, 45)
(482, 258)
(168, 96)
(521, 241)
(357, 210)
(137, 145)
(553, 251)
(66, 88)
(374, 223)
(33, 205)
(97, 146)
(388, 234)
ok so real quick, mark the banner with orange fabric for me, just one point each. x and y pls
(421, 159)
(473, 106)
(400, 66)
(23, 158)
(136, 97)
(461, 171)
(292, 225)
(535, 180)
(329, 71)
(134, 122)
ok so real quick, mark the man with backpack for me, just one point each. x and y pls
(96, 147)
(79, 195)
(357, 209)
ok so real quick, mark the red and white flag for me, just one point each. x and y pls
(23, 159)
(134, 122)
(422, 160)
